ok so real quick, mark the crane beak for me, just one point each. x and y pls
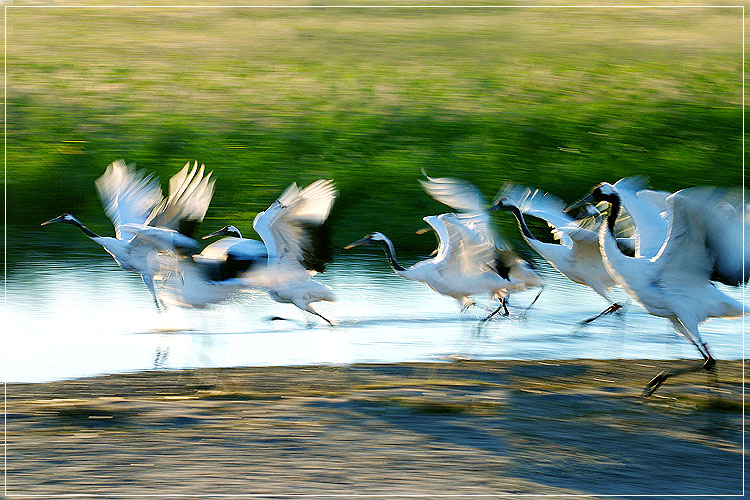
(424, 230)
(586, 200)
(357, 243)
(215, 233)
(52, 221)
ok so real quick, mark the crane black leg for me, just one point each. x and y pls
(709, 364)
(503, 305)
(323, 317)
(490, 315)
(532, 303)
(613, 308)
(316, 313)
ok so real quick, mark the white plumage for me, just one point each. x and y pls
(133, 202)
(463, 266)
(473, 211)
(214, 274)
(577, 256)
(648, 213)
(291, 230)
(704, 242)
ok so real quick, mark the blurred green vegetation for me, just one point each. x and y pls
(558, 99)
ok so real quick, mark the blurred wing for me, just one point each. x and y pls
(729, 236)
(161, 239)
(293, 226)
(439, 227)
(657, 200)
(707, 225)
(549, 208)
(648, 212)
(537, 203)
(128, 196)
(455, 193)
(685, 253)
(468, 252)
(190, 193)
(280, 275)
(462, 196)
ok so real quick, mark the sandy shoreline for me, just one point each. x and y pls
(464, 428)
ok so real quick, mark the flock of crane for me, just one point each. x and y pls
(664, 249)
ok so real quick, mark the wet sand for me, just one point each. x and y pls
(461, 428)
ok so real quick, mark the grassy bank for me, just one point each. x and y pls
(575, 427)
(555, 98)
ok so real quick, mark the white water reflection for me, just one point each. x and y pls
(84, 317)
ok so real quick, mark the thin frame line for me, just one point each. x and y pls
(743, 251)
(348, 495)
(376, 7)
(5, 248)
(403, 495)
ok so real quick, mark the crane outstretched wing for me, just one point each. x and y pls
(706, 235)
(442, 234)
(190, 193)
(468, 252)
(456, 193)
(550, 208)
(161, 239)
(462, 196)
(293, 227)
(648, 211)
(128, 196)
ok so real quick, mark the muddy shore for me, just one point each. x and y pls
(462, 428)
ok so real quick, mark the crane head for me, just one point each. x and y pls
(225, 231)
(601, 192)
(64, 218)
(503, 204)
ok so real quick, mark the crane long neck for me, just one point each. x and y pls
(614, 210)
(88, 232)
(390, 253)
(522, 223)
(619, 265)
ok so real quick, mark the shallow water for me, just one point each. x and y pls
(69, 317)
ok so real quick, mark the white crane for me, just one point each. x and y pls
(133, 199)
(577, 256)
(283, 283)
(473, 209)
(708, 229)
(463, 266)
(297, 245)
(215, 274)
(291, 252)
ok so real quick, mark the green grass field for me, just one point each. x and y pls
(559, 99)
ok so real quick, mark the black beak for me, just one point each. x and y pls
(357, 243)
(52, 221)
(215, 233)
(586, 200)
